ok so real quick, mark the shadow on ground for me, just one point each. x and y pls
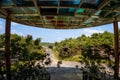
(73, 73)
(65, 73)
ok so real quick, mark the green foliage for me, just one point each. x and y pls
(88, 50)
(2, 40)
(47, 44)
(26, 52)
(87, 46)
(28, 70)
(37, 41)
(35, 55)
(25, 48)
(28, 39)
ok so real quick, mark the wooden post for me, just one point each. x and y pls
(85, 75)
(116, 44)
(7, 47)
(90, 78)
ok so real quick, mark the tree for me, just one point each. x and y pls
(28, 39)
(2, 39)
(26, 52)
(37, 41)
(84, 44)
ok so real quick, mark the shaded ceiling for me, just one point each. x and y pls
(61, 14)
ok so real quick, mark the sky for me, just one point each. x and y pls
(53, 35)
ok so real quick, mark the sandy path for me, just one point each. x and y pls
(67, 70)
(64, 63)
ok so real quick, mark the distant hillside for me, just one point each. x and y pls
(47, 44)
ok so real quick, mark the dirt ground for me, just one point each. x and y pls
(66, 71)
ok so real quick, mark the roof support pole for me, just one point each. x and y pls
(116, 44)
(7, 46)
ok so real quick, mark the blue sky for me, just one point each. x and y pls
(53, 35)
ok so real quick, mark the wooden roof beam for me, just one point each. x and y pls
(80, 4)
(58, 6)
(30, 22)
(37, 19)
(36, 14)
(103, 4)
(68, 22)
(56, 22)
(39, 12)
(28, 19)
(116, 15)
(4, 12)
(109, 12)
(14, 1)
(24, 14)
(31, 14)
(12, 6)
(7, 7)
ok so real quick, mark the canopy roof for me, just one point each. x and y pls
(61, 14)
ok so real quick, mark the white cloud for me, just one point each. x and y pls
(58, 39)
(119, 24)
(14, 24)
(16, 32)
(57, 32)
(1, 25)
(88, 32)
